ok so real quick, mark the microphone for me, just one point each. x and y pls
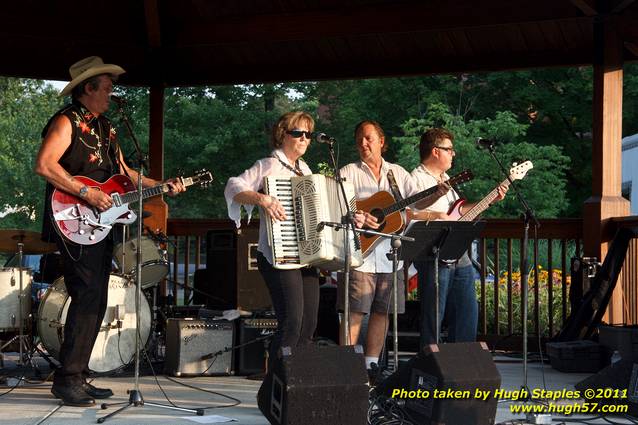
(485, 143)
(118, 100)
(323, 138)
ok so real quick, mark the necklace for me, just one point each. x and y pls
(295, 170)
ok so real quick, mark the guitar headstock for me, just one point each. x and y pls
(202, 177)
(462, 177)
(518, 171)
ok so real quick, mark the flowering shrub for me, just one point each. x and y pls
(544, 289)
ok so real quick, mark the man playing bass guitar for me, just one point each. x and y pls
(456, 280)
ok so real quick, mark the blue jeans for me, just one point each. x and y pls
(457, 301)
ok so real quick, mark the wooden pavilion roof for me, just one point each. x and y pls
(196, 42)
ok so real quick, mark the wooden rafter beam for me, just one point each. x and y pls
(379, 19)
(153, 27)
(585, 7)
(622, 6)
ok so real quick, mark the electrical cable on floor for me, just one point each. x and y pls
(236, 401)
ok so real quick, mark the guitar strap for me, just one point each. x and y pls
(394, 187)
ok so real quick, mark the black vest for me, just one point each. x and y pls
(93, 153)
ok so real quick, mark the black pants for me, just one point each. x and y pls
(295, 298)
(86, 276)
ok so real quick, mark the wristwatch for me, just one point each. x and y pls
(84, 191)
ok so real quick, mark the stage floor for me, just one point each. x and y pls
(31, 404)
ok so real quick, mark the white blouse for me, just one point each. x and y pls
(252, 180)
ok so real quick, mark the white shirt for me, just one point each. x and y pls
(253, 179)
(424, 180)
(366, 185)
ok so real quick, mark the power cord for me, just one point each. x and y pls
(236, 401)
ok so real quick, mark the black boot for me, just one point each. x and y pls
(96, 392)
(72, 396)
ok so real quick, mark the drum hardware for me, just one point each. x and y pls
(25, 242)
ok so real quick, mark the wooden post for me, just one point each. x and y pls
(606, 200)
(156, 206)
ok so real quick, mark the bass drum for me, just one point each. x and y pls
(115, 344)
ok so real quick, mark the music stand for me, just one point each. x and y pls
(441, 241)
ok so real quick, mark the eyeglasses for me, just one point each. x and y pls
(299, 133)
(445, 148)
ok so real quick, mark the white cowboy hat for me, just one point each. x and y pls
(87, 68)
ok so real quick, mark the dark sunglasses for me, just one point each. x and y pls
(299, 133)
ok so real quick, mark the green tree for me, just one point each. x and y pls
(544, 186)
(25, 107)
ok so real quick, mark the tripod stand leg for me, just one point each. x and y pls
(103, 418)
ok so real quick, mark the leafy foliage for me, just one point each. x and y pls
(25, 107)
(544, 115)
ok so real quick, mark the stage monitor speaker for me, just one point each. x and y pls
(231, 276)
(316, 385)
(255, 333)
(456, 367)
(621, 375)
(188, 340)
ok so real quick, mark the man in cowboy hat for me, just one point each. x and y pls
(80, 140)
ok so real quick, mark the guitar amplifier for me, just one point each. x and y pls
(188, 340)
(256, 333)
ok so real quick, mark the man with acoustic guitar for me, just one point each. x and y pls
(370, 288)
(456, 279)
(80, 141)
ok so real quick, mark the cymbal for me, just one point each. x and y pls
(9, 239)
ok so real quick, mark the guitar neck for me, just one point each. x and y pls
(149, 192)
(406, 202)
(483, 204)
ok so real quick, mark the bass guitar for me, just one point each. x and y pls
(387, 210)
(84, 224)
(517, 172)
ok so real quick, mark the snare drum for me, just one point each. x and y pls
(154, 260)
(115, 343)
(10, 297)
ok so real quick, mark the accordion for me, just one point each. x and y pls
(309, 200)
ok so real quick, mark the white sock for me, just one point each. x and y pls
(370, 360)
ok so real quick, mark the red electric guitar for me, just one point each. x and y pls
(84, 224)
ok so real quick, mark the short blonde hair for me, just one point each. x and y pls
(289, 121)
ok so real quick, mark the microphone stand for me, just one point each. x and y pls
(135, 395)
(392, 255)
(528, 215)
(348, 226)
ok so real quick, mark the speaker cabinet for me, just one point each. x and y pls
(456, 367)
(231, 276)
(188, 340)
(316, 386)
(253, 338)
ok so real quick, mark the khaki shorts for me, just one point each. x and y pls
(371, 292)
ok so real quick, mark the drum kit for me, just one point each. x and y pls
(41, 324)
